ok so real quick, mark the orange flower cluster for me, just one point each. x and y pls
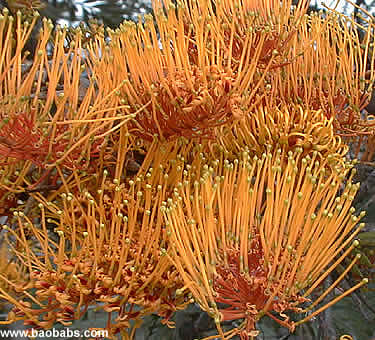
(261, 237)
(109, 253)
(195, 156)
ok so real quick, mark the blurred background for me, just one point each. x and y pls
(109, 12)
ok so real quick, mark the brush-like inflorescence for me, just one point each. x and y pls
(51, 112)
(179, 76)
(341, 85)
(289, 47)
(103, 245)
(259, 238)
(171, 95)
(123, 145)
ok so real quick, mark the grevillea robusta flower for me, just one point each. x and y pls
(259, 238)
(101, 244)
